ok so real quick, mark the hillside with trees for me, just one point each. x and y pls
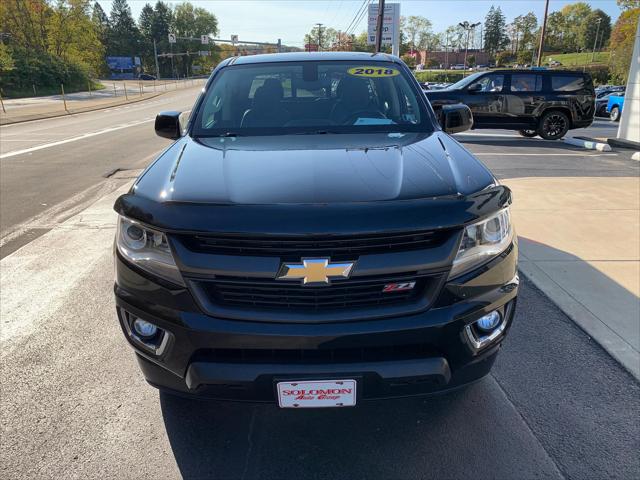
(45, 43)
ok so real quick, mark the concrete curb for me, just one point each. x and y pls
(34, 117)
(587, 321)
(588, 144)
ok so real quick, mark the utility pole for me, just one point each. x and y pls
(379, 25)
(319, 25)
(155, 55)
(173, 71)
(595, 42)
(542, 33)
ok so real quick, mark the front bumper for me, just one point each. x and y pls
(422, 353)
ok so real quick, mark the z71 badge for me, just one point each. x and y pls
(398, 287)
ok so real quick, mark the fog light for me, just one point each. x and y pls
(488, 322)
(144, 328)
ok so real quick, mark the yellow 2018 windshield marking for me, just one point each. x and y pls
(371, 71)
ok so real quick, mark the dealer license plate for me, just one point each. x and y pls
(317, 394)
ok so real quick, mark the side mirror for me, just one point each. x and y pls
(476, 87)
(168, 125)
(456, 118)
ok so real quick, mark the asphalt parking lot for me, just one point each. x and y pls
(74, 405)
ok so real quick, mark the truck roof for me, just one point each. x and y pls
(311, 57)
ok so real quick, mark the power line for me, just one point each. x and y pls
(357, 21)
(353, 20)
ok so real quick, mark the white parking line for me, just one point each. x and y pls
(73, 139)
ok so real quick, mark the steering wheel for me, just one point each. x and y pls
(363, 113)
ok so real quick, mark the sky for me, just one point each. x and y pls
(266, 20)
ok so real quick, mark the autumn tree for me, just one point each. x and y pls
(621, 43)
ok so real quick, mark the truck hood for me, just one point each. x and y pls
(318, 169)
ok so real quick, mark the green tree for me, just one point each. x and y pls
(587, 35)
(26, 23)
(325, 38)
(621, 43)
(417, 31)
(145, 22)
(529, 26)
(124, 36)
(101, 23)
(73, 36)
(556, 26)
(575, 15)
(190, 21)
(495, 38)
(6, 60)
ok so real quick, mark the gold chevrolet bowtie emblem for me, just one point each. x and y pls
(314, 271)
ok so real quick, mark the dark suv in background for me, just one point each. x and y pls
(548, 103)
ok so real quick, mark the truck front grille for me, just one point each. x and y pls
(351, 293)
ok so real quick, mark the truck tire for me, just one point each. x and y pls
(528, 133)
(553, 125)
(614, 114)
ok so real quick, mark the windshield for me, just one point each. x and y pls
(464, 82)
(310, 97)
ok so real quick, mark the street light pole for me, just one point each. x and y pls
(542, 33)
(595, 42)
(468, 27)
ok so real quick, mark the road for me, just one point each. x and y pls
(73, 404)
(52, 168)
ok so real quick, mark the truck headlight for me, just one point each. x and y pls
(483, 241)
(147, 249)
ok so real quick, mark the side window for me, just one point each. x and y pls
(526, 82)
(567, 83)
(490, 83)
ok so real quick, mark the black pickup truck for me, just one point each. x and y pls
(548, 103)
(314, 237)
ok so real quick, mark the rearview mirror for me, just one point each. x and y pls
(476, 87)
(456, 118)
(168, 125)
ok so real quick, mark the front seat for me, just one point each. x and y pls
(353, 98)
(267, 109)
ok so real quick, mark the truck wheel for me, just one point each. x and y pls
(553, 125)
(614, 114)
(528, 133)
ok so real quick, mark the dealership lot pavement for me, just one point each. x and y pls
(73, 404)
